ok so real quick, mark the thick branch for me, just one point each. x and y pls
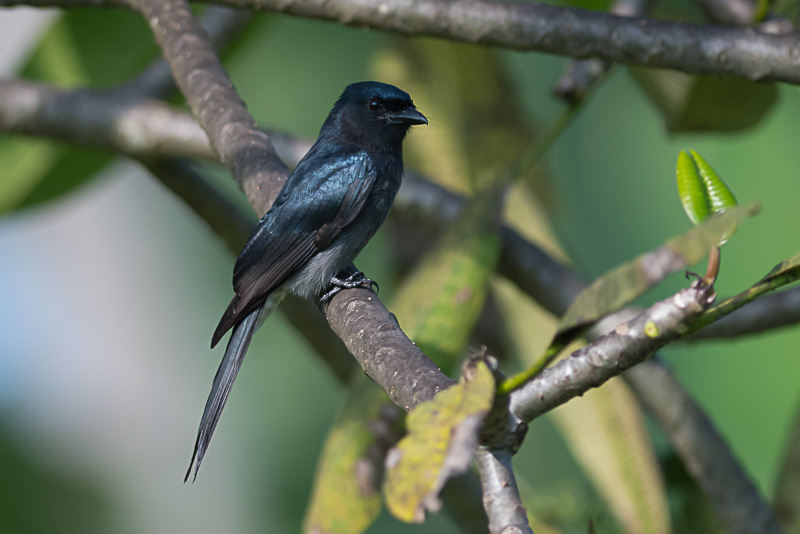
(223, 25)
(385, 353)
(242, 147)
(692, 48)
(119, 120)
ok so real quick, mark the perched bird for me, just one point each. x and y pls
(329, 208)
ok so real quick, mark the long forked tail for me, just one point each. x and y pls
(223, 381)
(226, 374)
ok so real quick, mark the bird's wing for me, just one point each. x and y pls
(317, 202)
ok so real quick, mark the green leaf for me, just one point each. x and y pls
(631, 279)
(787, 266)
(705, 103)
(346, 497)
(690, 188)
(720, 197)
(441, 440)
(702, 191)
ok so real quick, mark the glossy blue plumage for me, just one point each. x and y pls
(332, 204)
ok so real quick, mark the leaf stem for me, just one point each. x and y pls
(714, 258)
(520, 379)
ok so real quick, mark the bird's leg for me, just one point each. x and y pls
(356, 279)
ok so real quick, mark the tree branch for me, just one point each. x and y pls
(225, 217)
(580, 76)
(776, 310)
(247, 151)
(223, 26)
(629, 344)
(693, 48)
(501, 499)
(116, 120)
(388, 357)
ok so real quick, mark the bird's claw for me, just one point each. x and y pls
(357, 279)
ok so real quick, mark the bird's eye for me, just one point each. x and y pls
(374, 104)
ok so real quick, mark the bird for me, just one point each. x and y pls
(327, 210)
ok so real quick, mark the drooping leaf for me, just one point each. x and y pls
(347, 488)
(705, 103)
(606, 433)
(631, 279)
(441, 440)
(787, 489)
(440, 301)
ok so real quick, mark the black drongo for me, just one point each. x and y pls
(331, 205)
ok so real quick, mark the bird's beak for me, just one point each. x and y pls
(409, 115)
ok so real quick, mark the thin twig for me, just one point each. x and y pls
(768, 312)
(629, 344)
(745, 297)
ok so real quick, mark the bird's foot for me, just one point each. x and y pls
(356, 279)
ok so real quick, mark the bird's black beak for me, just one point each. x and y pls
(408, 115)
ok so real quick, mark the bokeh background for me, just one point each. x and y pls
(109, 295)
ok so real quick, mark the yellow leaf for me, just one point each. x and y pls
(441, 440)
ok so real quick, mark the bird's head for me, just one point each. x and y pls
(374, 114)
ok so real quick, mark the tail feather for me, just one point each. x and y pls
(227, 321)
(223, 381)
(228, 369)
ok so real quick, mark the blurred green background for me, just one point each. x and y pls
(109, 295)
